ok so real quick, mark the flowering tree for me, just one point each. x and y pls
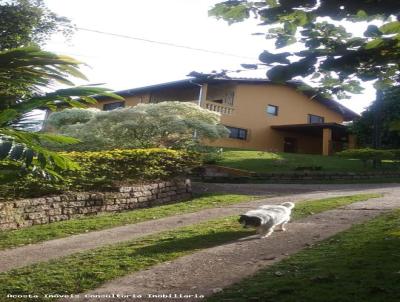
(166, 124)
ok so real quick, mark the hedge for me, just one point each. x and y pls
(104, 170)
(367, 154)
(131, 165)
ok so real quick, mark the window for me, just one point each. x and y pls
(237, 133)
(272, 110)
(315, 119)
(112, 106)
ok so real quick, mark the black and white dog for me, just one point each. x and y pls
(267, 217)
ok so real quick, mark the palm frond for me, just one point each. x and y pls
(24, 72)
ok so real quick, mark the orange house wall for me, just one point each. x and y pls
(250, 103)
(250, 106)
(130, 101)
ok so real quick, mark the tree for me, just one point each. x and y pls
(333, 60)
(24, 73)
(390, 128)
(166, 124)
(26, 22)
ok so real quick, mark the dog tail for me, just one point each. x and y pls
(289, 205)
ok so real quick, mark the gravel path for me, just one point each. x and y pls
(48, 250)
(208, 271)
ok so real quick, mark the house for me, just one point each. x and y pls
(259, 114)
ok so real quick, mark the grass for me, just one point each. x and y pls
(39, 233)
(309, 207)
(87, 270)
(264, 162)
(361, 264)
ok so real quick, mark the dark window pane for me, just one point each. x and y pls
(315, 119)
(112, 106)
(242, 134)
(237, 133)
(272, 110)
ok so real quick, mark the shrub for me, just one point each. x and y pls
(367, 154)
(104, 169)
(396, 153)
(134, 165)
(162, 125)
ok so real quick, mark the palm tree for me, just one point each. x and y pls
(25, 74)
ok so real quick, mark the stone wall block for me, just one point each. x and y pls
(25, 223)
(132, 200)
(53, 212)
(125, 189)
(8, 226)
(96, 196)
(75, 204)
(37, 215)
(22, 203)
(112, 208)
(82, 196)
(58, 218)
(70, 211)
(43, 220)
(38, 201)
(143, 199)
(147, 193)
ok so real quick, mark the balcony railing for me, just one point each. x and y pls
(223, 109)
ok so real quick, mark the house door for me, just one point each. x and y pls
(290, 145)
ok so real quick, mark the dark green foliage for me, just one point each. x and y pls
(23, 22)
(367, 155)
(342, 59)
(124, 166)
(389, 113)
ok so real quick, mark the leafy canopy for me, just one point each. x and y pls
(332, 59)
(26, 22)
(389, 112)
(165, 124)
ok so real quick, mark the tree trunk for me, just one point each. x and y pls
(378, 119)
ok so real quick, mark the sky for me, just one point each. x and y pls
(122, 63)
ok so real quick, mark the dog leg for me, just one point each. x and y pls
(267, 233)
(282, 226)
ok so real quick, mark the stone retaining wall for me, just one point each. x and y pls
(213, 173)
(313, 175)
(26, 212)
(224, 174)
(299, 177)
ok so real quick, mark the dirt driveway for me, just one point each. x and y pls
(209, 271)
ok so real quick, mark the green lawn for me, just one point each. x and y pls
(87, 270)
(258, 161)
(359, 265)
(61, 229)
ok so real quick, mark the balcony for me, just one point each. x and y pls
(222, 109)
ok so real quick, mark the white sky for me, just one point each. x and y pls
(123, 63)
